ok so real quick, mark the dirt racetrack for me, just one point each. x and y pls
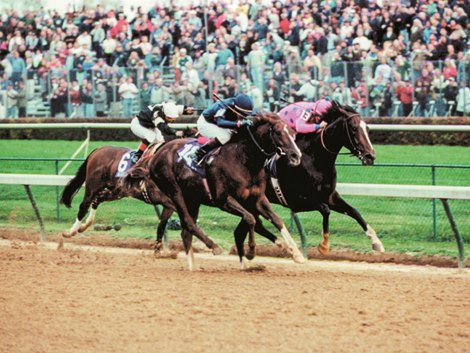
(81, 299)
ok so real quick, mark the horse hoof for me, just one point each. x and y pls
(299, 258)
(67, 234)
(217, 250)
(158, 247)
(378, 247)
(323, 249)
(82, 229)
(250, 255)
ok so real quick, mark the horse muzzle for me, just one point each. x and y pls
(367, 158)
(294, 159)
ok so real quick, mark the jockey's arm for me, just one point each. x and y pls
(167, 132)
(304, 127)
(224, 123)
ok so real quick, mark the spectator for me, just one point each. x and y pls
(75, 100)
(109, 45)
(343, 94)
(128, 92)
(144, 95)
(463, 99)
(22, 100)
(404, 92)
(18, 67)
(101, 99)
(86, 96)
(159, 93)
(450, 95)
(223, 55)
(255, 62)
(11, 101)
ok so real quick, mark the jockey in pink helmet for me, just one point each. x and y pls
(306, 117)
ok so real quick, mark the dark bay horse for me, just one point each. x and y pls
(312, 185)
(234, 180)
(100, 173)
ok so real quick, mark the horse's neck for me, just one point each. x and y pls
(254, 150)
(313, 146)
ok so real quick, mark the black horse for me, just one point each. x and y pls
(312, 185)
(234, 180)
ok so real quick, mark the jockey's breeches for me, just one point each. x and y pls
(151, 135)
(213, 131)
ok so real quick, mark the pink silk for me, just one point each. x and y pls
(297, 114)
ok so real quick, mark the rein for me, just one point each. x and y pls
(355, 149)
(258, 145)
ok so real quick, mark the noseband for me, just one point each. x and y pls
(355, 151)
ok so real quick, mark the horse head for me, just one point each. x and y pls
(272, 127)
(356, 135)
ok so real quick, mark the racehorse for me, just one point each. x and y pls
(103, 172)
(312, 185)
(234, 180)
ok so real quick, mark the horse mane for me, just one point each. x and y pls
(337, 110)
(265, 117)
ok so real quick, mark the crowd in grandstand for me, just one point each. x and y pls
(385, 58)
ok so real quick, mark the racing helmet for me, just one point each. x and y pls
(170, 110)
(243, 104)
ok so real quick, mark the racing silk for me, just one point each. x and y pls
(153, 117)
(297, 115)
(219, 114)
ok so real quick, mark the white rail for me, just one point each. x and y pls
(357, 189)
(373, 127)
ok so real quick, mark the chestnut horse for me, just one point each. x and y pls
(312, 185)
(101, 174)
(234, 180)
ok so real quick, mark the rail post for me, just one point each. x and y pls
(434, 211)
(42, 236)
(57, 208)
(457, 235)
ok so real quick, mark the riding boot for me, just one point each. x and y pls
(137, 154)
(202, 151)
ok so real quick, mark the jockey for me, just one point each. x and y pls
(219, 121)
(151, 124)
(306, 117)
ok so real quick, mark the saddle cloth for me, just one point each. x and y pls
(127, 159)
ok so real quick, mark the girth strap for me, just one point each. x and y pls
(271, 168)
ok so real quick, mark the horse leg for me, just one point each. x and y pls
(338, 204)
(324, 246)
(188, 248)
(265, 209)
(240, 235)
(83, 209)
(90, 219)
(164, 217)
(234, 207)
(189, 224)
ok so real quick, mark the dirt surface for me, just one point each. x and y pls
(262, 250)
(92, 299)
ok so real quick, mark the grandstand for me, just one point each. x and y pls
(383, 58)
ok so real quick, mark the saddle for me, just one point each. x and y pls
(127, 160)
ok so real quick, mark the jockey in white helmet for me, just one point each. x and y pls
(151, 124)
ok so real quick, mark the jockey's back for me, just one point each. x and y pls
(304, 117)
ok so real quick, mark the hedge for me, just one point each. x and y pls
(377, 137)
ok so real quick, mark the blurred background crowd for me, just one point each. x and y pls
(384, 58)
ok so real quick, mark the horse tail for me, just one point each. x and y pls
(74, 185)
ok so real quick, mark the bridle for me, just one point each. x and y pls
(355, 151)
(278, 150)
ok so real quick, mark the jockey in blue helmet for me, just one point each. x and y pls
(220, 120)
